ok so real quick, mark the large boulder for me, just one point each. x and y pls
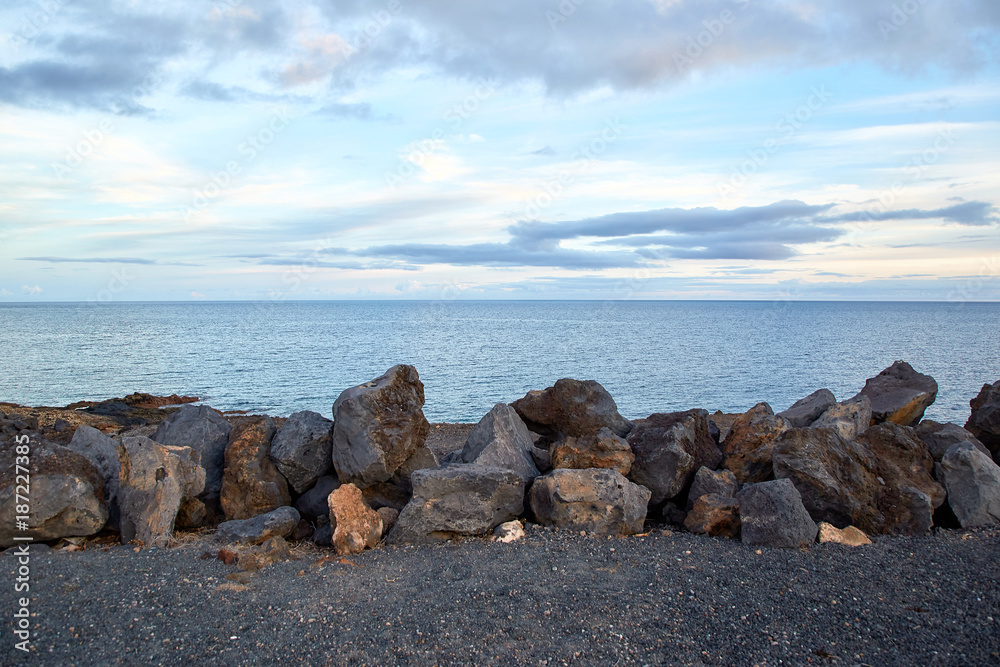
(571, 407)
(155, 479)
(807, 410)
(106, 455)
(66, 494)
(748, 445)
(984, 422)
(973, 483)
(714, 515)
(603, 449)
(460, 499)
(312, 504)
(356, 526)
(899, 394)
(378, 425)
(772, 515)
(848, 418)
(207, 432)
(398, 490)
(909, 494)
(939, 438)
(595, 500)
(669, 448)
(251, 484)
(836, 478)
(257, 530)
(302, 449)
(706, 481)
(502, 440)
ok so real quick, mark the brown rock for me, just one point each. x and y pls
(595, 500)
(571, 407)
(604, 449)
(748, 446)
(706, 481)
(274, 550)
(190, 515)
(228, 556)
(900, 395)
(669, 449)
(714, 515)
(389, 517)
(984, 422)
(358, 526)
(848, 418)
(849, 536)
(251, 484)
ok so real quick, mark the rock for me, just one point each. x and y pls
(312, 504)
(596, 500)
(984, 422)
(190, 515)
(462, 499)
(154, 480)
(303, 531)
(807, 410)
(849, 536)
(837, 479)
(668, 449)
(323, 536)
(251, 484)
(714, 515)
(276, 523)
(228, 556)
(604, 449)
(508, 532)
(706, 481)
(66, 493)
(748, 445)
(204, 430)
(674, 515)
(973, 483)
(302, 449)
(389, 517)
(501, 439)
(396, 492)
(910, 495)
(106, 455)
(542, 459)
(571, 407)
(378, 426)
(899, 394)
(848, 418)
(940, 437)
(357, 526)
(772, 515)
(274, 550)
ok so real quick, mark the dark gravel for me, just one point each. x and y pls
(555, 598)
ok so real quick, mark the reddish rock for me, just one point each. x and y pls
(604, 449)
(714, 515)
(357, 526)
(748, 445)
(251, 484)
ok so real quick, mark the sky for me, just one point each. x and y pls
(526, 149)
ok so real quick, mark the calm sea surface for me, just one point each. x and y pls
(652, 356)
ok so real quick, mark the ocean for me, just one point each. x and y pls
(652, 356)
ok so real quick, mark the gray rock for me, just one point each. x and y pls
(312, 503)
(848, 418)
(772, 515)
(106, 455)
(542, 459)
(900, 395)
(396, 492)
(302, 449)
(462, 499)
(571, 407)
(155, 479)
(669, 449)
(939, 438)
(257, 530)
(972, 480)
(501, 439)
(807, 410)
(707, 481)
(597, 500)
(323, 536)
(204, 430)
(66, 494)
(378, 426)
(984, 422)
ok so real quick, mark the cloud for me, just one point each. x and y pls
(503, 254)
(546, 151)
(968, 213)
(89, 260)
(356, 111)
(31, 291)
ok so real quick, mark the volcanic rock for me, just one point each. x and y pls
(251, 484)
(571, 407)
(596, 500)
(204, 430)
(900, 395)
(357, 526)
(714, 515)
(748, 445)
(973, 483)
(502, 440)
(939, 438)
(312, 504)
(706, 481)
(302, 449)
(849, 536)
(255, 530)
(848, 418)
(807, 410)
(604, 449)
(106, 455)
(668, 449)
(984, 423)
(772, 515)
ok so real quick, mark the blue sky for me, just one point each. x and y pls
(654, 149)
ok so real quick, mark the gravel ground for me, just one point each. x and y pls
(554, 598)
